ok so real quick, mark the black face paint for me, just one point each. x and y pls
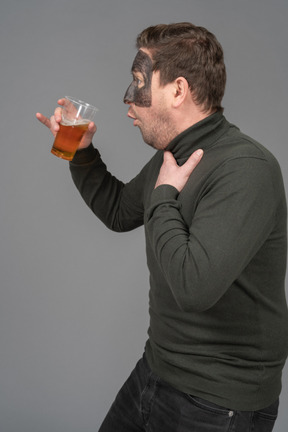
(139, 93)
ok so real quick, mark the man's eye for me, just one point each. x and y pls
(139, 82)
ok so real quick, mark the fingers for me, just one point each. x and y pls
(189, 165)
(58, 114)
(92, 128)
(172, 174)
(53, 122)
(44, 120)
(90, 132)
(87, 138)
(192, 162)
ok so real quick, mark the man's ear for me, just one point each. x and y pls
(180, 89)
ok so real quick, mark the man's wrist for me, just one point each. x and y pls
(85, 155)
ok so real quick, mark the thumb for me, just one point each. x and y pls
(87, 137)
(192, 162)
(169, 158)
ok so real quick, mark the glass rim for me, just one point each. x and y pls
(80, 102)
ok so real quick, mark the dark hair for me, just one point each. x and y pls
(183, 49)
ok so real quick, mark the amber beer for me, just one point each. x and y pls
(68, 138)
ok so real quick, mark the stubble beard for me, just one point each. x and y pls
(159, 133)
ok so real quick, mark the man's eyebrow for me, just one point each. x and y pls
(136, 70)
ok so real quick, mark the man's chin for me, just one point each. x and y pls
(147, 140)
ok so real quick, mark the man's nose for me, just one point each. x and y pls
(129, 95)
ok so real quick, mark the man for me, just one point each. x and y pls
(216, 245)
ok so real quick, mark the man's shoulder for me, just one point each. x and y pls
(236, 144)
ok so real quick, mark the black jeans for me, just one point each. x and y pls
(147, 404)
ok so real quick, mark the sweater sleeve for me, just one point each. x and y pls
(119, 206)
(232, 220)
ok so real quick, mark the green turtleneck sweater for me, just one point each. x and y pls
(216, 254)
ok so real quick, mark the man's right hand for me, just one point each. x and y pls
(53, 125)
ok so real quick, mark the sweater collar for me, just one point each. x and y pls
(201, 135)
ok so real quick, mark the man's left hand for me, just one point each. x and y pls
(174, 175)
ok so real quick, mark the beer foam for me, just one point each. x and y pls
(67, 122)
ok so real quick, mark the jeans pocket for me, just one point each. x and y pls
(210, 406)
(207, 416)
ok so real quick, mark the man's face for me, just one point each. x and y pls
(149, 103)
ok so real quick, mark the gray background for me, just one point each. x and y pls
(73, 306)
